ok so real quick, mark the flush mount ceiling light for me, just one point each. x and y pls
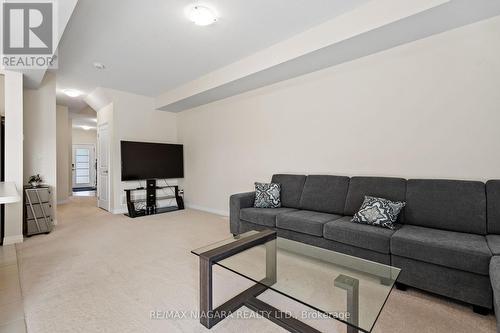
(99, 65)
(201, 15)
(72, 92)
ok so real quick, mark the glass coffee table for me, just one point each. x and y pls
(349, 289)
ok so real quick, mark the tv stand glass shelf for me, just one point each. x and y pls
(148, 204)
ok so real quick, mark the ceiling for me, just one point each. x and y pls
(84, 119)
(372, 28)
(149, 49)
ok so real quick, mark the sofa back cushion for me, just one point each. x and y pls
(325, 194)
(393, 189)
(291, 189)
(455, 205)
(493, 196)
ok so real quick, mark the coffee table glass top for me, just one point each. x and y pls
(326, 281)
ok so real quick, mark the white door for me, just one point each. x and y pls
(83, 166)
(103, 167)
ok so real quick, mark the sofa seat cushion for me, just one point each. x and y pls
(263, 216)
(494, 244)
(467, 252)
(360, 235)
(305, 221)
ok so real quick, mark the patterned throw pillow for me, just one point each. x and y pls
(267, 195)
(379, 212)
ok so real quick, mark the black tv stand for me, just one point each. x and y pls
(151, 200)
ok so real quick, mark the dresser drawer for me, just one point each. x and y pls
(32, 228)
(47, 208)
(43, 193)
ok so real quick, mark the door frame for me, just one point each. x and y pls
(92, 166)
(99, 129)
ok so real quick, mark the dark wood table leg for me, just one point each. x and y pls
(351, 286)
(205, 292)
(271, 263)
(210, 316)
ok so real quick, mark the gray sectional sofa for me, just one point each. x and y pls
(447, 241)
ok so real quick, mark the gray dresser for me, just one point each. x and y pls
(38, 210)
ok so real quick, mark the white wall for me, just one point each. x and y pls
(13, 152)
(2, 95)
(70, 157)
(425, 109)
(40, 152)
(81, 136)
(134, 118)
(63, 140)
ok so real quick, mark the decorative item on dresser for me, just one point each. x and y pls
(38, 212)
(35, 180)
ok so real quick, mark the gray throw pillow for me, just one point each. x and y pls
(379, 212)
(267, 195)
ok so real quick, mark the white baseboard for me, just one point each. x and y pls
(208, 210)
(7, 240)
(123, 210)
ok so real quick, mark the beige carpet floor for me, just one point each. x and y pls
(99, 272)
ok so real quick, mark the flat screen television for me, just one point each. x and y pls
(148, 160)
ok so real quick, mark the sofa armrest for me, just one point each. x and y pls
(237, 202)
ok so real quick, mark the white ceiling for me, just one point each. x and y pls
(86, 117)
(150, 47)
(419, 21)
